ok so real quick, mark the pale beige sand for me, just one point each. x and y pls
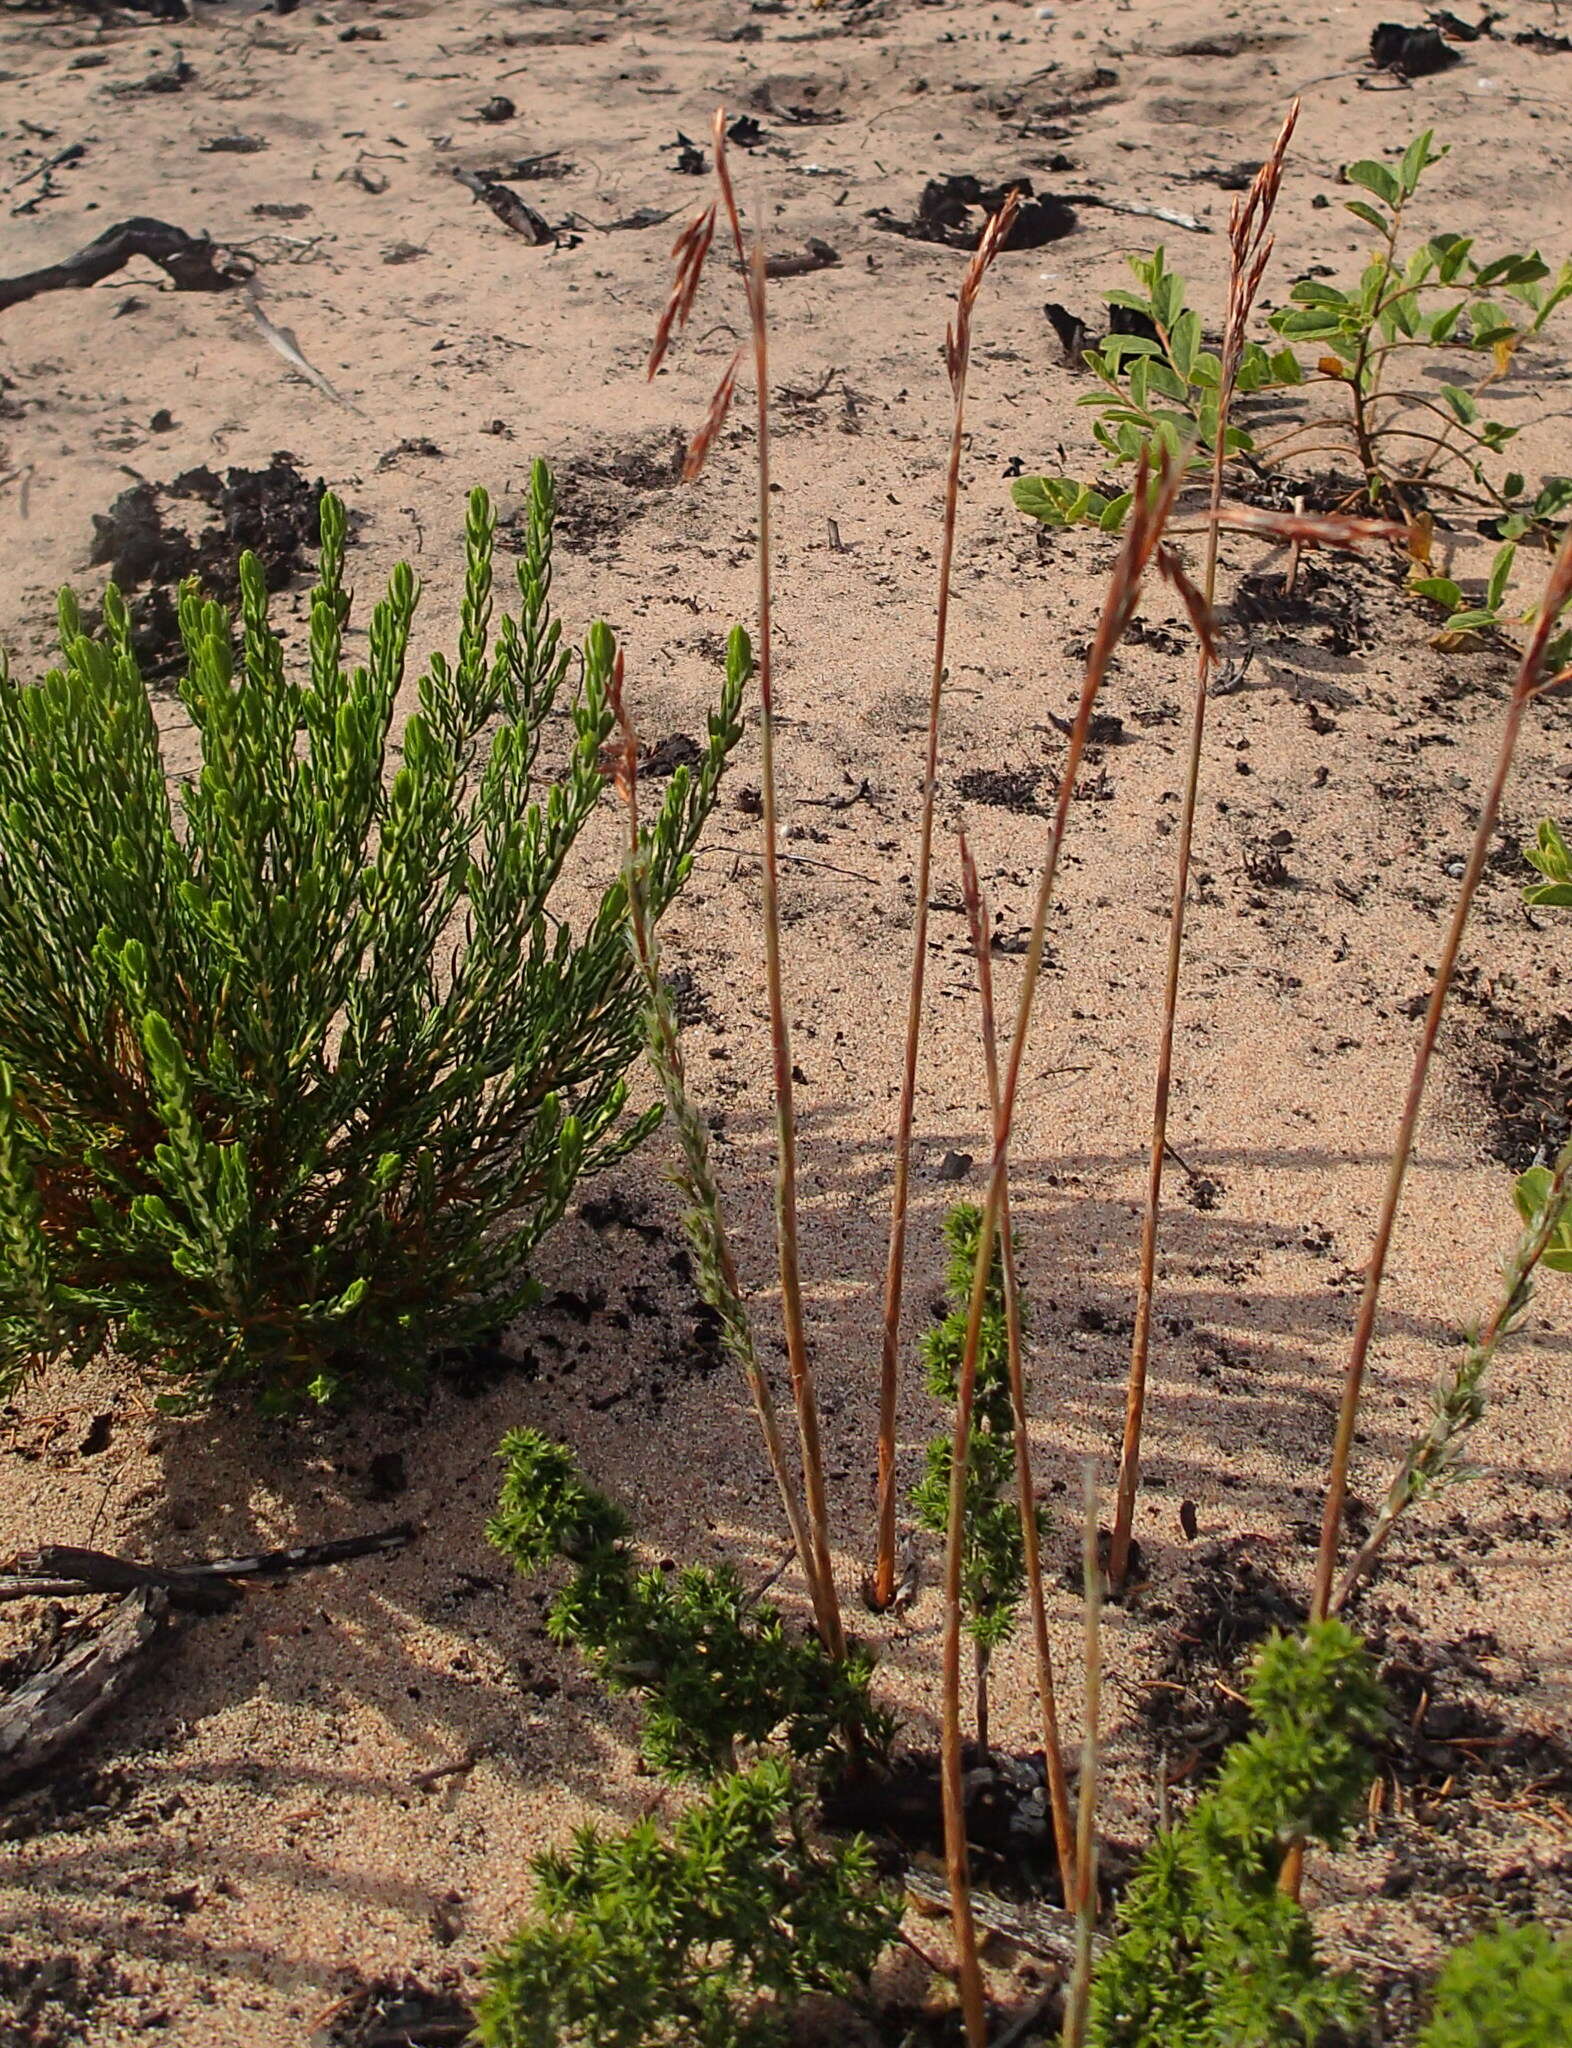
(270, 1845)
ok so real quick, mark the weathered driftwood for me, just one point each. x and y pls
(192, 261)
(53, 1707)
(1044, 1931)
(59, 1571)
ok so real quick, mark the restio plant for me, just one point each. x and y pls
(298, 1063)
(993, 1564)
(1212, 1953)
(1410, 440)
(1508, 1988)
(705, 1940)
(714, 1668)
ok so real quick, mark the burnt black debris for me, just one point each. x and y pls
(1410, 52)
(954, 210)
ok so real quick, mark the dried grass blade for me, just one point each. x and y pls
(958, 349)
(1053, 1751)
(804, 1394)
(1249, 247)
(704, 1223)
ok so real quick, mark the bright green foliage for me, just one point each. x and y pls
(1212, 1954)
(297, 1067)
(1551, 855)
(713, 1666)
(1511, 1988)
(993, 1566)
(704, 1940)
(1160, 390)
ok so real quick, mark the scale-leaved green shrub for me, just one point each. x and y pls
(704, 1940)
(713, 1666)
(298, 1063)
(1212, 1953)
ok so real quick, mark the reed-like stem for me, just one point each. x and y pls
(1078, 1998)
(803, 1391)
(1459, 1402)
(1149, 511)
(1250, 246)
(1053, 1751)
(704, 1222)
(1524, 689)
(951, 1778)
(958, 351)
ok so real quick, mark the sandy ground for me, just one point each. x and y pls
(245, 1844)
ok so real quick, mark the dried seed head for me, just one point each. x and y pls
(1194, 600)
(958, 338)
(1314, 529)
(713, 421)
(688, 254)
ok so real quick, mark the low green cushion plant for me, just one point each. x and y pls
(703, 1940)
(1510, 1988)
(1212, 1953)
(299, 1062)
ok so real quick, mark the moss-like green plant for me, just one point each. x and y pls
(702, 1941)
(1510, 1988)
(713, 1667)
(1212, 1954)
(297, 1065)
(993, 1565)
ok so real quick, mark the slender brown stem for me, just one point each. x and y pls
(1053, 1750)
(1149, 512)
(952, 1788)
(780, 1030)
(1079, 1997)
(958, 346)
(1250, 245)
(1524, 689)
(1459, 1405)
(713, 1249)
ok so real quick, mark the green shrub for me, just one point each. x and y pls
(1212, 1954)
(713, 1666)
(993, 1560)
(704, 1940)
(296, 1070)
(1511, 1988)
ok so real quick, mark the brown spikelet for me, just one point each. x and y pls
(624, 750)
(1201, 616)
(1313, 529)
(712, 422)
(688, 254)
(1250, 245)
(958, 337)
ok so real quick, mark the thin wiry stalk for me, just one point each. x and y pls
(957, 1863)
(1526, 687)
(704, 1222)
(958, 354)
(780, 1031)
(1078, 1998)
(1250, 247)
(1053, 1753)
(1436, 1457)
(1143, 533)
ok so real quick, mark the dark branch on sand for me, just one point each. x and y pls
(194, 263)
